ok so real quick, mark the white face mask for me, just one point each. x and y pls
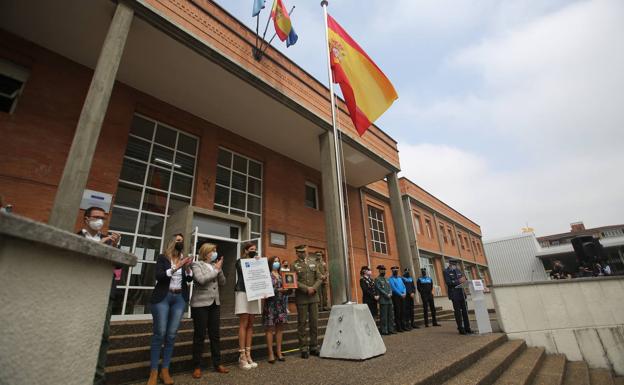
(213, 256)
(96, 224)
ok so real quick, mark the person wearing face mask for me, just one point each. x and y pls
(205, 306)
(274, 314)
(369, 294)
(410, 293)
(454, 277)
(398, 299)
(309, 280)
(245, 310)
(424, 285)
(94, 218)
(169, 299)
(384, 292)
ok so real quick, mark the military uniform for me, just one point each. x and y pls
(424, 285)
(384, 291)
(308, 276)
(453, 277)
(323, 288)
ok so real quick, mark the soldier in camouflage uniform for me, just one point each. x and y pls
(309, 280)
(325, 273)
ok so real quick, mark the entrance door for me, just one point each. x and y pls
(229, 251)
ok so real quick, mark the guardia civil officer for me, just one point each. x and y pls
(424, 284)
(384, 291)
(454, 277)
(309, 279)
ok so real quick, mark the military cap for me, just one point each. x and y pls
(394, 268)
(453, 261)
(301, 247)
(381, 267)
(319, 253)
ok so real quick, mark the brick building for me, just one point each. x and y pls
(197, 129)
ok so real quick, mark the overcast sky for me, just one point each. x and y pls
(511, 112)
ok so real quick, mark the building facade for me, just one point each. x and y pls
(197, 132)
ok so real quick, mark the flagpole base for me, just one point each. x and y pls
(257, 53)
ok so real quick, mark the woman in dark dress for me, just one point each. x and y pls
(275, 312)
(368, 290)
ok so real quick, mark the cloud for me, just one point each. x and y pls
(550, 92)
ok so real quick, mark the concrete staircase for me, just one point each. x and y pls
(128, 354)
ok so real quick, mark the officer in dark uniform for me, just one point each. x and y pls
(424, 285)
(454, 277)
(410, 295)
(309, 279)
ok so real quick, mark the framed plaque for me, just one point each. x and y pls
(289, 280)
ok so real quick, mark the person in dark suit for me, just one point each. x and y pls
(169, 299)
(424, 284)
(369, 293)
(454, 277)
(94, 218)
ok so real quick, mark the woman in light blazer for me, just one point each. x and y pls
(208, 276)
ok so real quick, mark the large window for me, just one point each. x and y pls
(239, 188)
(418, 224)
(427, 263)
(311, 196)
(378, 232)
(156, 179)
(443, 233)
(12, 79)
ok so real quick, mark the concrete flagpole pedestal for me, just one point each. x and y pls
(352, 334)
(54, 294)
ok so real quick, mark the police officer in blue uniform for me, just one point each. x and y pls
(454, 277)
(424, 284)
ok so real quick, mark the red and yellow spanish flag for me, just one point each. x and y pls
(366, 90)
(281, 20)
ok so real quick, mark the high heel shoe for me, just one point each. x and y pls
(242, 360)
(249, 360)
(281, 358)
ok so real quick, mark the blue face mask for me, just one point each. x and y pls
(276, 265)
(213, 256)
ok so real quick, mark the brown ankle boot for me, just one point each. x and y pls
(197, 373)
(153, 378)
(165, 377)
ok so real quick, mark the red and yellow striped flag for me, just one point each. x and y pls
(367, 91)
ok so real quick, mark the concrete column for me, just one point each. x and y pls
(338, 272)
(400, 226)
(411, 232)
(78, 164)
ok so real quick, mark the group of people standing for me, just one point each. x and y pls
(393, 298)
(174, 272)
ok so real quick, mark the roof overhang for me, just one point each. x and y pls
(168, 63)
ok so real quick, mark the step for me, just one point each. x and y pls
(523, 370)
(486, 370)
(618, 380)
(552, 370)
(136, 371)
(601, 377)
(142, 353)
(577, 373)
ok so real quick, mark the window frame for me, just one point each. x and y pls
(378, 246)
(316, 196)
(18, 73)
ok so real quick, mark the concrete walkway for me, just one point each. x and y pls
(411, 357)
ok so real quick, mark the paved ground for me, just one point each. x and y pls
(412, 355)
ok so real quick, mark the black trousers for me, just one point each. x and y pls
(398, 303)
(460, 309)
(427, 302)
(409, 311)
(206, 318)
(372, 306)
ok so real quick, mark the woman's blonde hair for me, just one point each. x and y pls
(170, 251)
(205, 250)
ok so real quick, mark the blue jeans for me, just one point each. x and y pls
(167, 315)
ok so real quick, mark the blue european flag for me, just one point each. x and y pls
(292, 37)
(258, 5)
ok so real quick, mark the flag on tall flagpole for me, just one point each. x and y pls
(257, 7)
(283, 25)
(366, 90)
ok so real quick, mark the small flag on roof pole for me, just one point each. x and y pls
(257, 7)
(283, 25)
(366, 90)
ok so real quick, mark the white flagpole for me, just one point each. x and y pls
(343, 226)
